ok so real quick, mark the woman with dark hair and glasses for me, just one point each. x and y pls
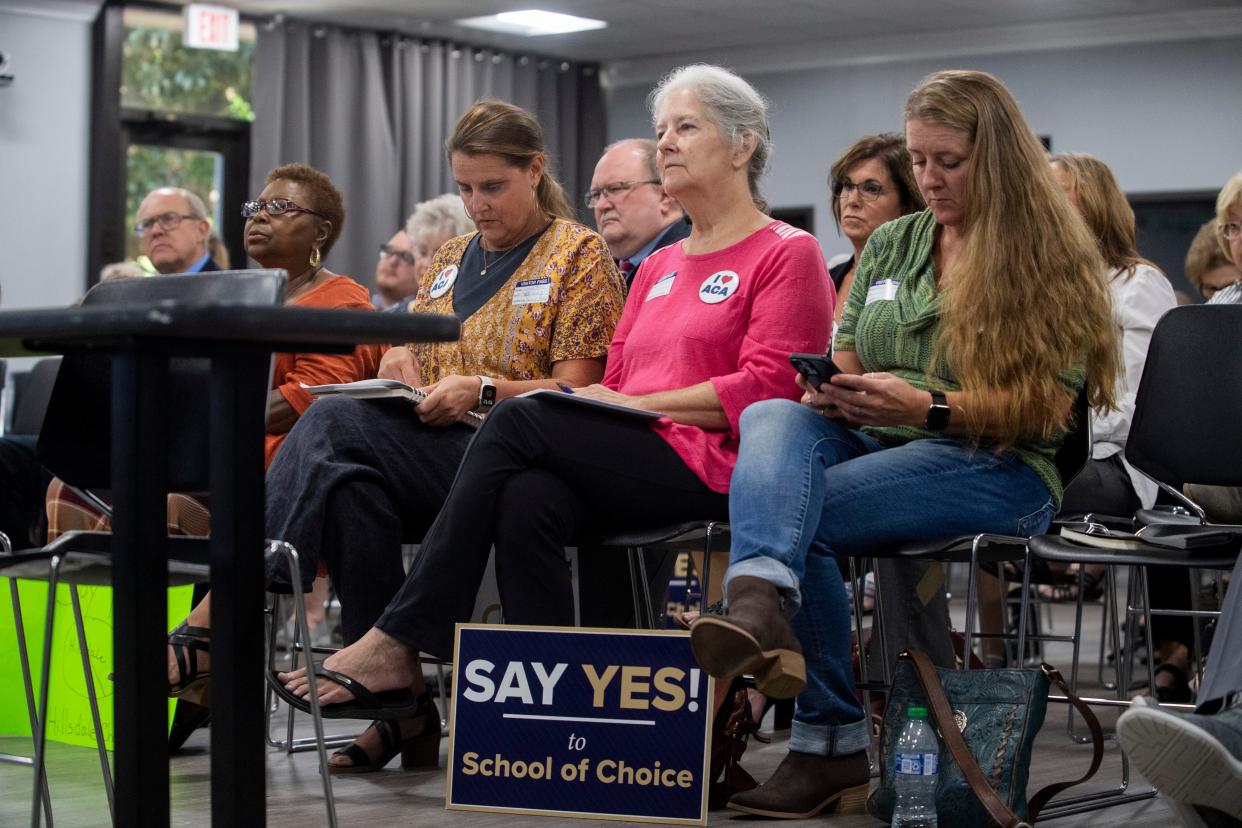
(291, 226)
(873, 182)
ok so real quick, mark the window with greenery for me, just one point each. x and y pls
(159, 73)
(150, 167)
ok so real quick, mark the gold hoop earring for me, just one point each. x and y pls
(315, 257)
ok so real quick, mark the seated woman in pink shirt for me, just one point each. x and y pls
(707, 332)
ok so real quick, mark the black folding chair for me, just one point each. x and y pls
(1189, 399)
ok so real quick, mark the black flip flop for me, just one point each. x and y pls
(388, 704)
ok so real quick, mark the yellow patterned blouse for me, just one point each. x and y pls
(511, 338)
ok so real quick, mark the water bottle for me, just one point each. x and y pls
(916, 759)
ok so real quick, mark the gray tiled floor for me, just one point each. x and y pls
(393, 796)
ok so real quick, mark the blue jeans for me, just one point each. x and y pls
(807, 490)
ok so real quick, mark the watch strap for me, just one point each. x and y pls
(938, 412)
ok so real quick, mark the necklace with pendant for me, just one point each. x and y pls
(487, 265)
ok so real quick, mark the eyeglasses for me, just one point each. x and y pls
(274, 207)
(1231, 229)
(404, 255)
(166, 221)
(614, 190)
(867, 190)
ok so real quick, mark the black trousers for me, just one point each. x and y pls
(353, 481)
(21, 492)
(1104, 487)
(537, 475)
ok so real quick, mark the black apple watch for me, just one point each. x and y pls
(937, 412)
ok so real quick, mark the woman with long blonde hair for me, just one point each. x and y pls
(969, 330)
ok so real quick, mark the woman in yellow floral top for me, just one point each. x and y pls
(538, 297)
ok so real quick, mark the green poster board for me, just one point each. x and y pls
(69, 713)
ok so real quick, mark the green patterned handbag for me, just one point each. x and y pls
(986, 721)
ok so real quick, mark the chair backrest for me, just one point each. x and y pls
(32, 391)
(76, 440)
(1189, 404)
(1075, 449)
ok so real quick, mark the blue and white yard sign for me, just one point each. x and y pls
(579, 722)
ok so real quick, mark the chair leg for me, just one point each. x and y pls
(28, 684)
(44, 689)
(299, 607)
(877, 627)
(633, 553)
(644, 588)
(1024, 606)
(864, 671)
(273, 612)
(1151, 638)
(89, 676)
(969, 633)
(1077, 647)
(442, 683)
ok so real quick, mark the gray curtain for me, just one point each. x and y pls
(373, 111)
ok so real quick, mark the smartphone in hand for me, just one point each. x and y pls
(817, 368)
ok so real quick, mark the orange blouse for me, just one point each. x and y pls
(291, 370)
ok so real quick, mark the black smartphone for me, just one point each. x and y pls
(817, 368)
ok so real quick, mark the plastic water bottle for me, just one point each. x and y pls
(916, 759)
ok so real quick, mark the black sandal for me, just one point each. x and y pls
(187, 642)
(387, 704)
(422, 750)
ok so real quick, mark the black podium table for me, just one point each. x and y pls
(239, 341)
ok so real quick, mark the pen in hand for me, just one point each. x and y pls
(564, 388)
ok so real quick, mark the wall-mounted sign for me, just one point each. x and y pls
(579, 722)
(210, 27)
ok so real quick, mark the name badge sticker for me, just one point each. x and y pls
(662, 287)
(719, 287)
(882, 291)
(444, 280)
(532, 291)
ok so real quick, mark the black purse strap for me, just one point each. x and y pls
(942, 712)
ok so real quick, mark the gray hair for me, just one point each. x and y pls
(644, 147)
(732, 105)
(197, 208)
(445, 214)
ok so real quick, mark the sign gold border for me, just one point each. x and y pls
(705, 783)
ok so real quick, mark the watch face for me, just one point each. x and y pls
(937, 413)
(488, 397)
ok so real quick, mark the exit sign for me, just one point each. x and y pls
(210, 27)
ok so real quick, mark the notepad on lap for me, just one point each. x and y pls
(379, 389)
(576, 399)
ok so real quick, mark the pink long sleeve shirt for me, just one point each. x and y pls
(732, 317)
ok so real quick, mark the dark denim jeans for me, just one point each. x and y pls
(807, 490)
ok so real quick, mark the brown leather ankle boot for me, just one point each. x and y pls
(804, 785)
(755, 637)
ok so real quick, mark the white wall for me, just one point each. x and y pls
(1165, 116)
(44, 152)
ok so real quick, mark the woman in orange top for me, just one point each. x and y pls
(295, 240)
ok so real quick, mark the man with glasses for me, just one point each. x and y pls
(396, 275)
(635, 217)
(632, 212)
(173, 228)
